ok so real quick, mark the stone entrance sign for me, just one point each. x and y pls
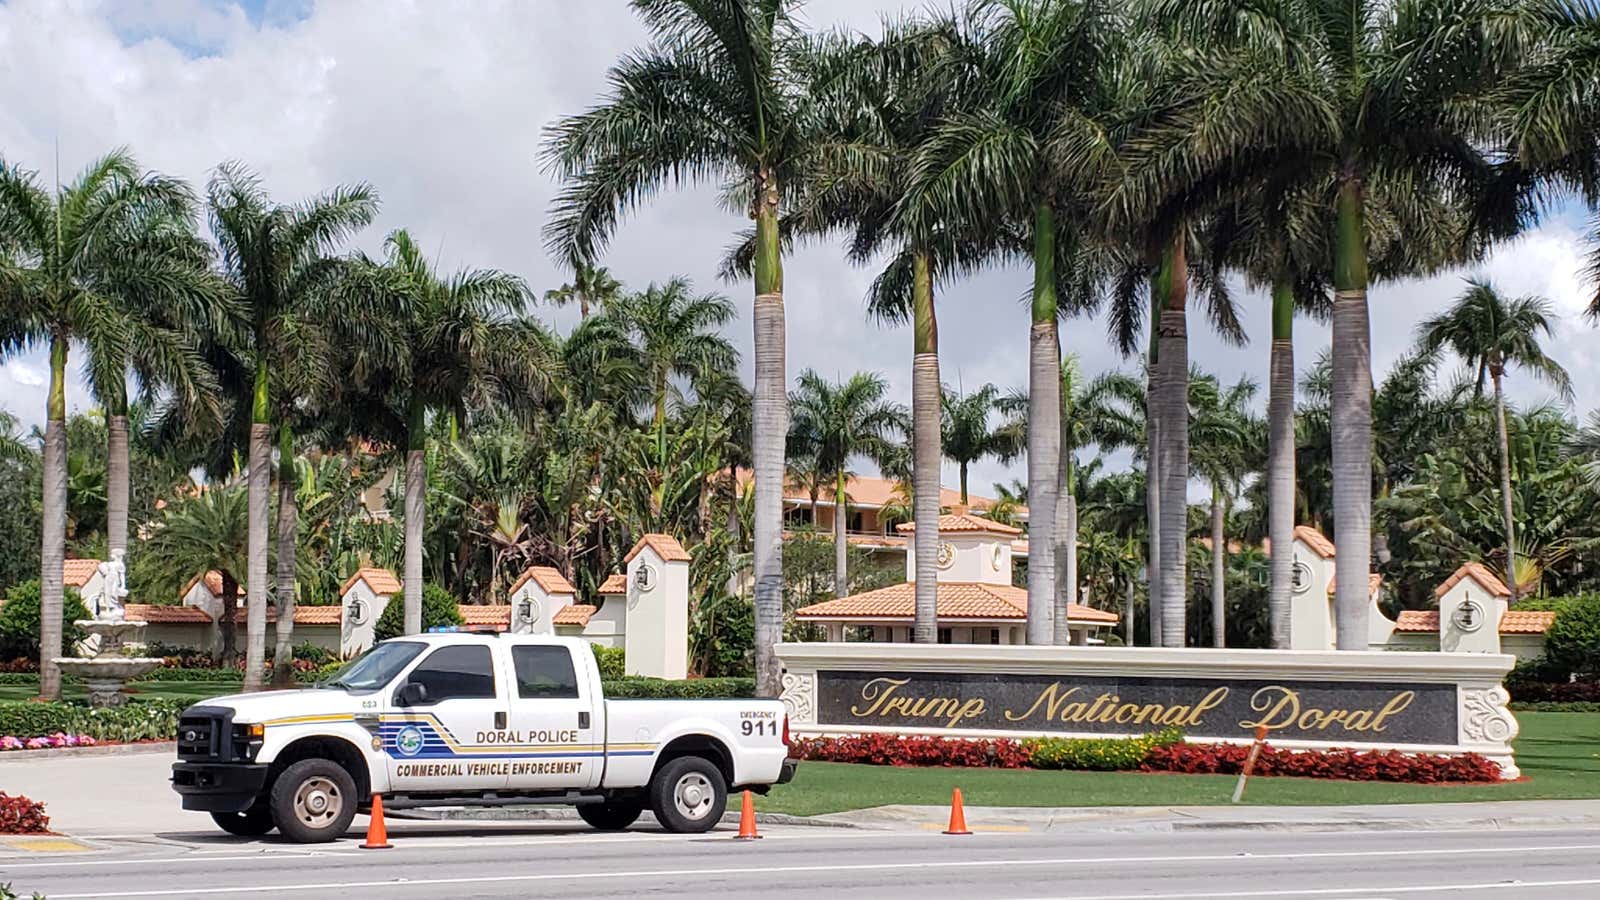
(1418, 702)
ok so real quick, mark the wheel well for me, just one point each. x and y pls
(697, 745)
(336, 749)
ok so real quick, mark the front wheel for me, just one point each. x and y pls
(613, 815)
(253, 822)
(314, 801)
(688, 795)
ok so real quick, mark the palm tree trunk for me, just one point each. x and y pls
(1044, 429)
(1066, 553)
(1131, 598)
(961, 467)
(926, 451)
(1280, 461)
(841, 580)
(229, 609)
(288, 526)
(259, 502)
(1173, 450)
(117, 475)
(770, 417)
(733, 531)
(53, 549)
(1505, 487)
(1152, 466)
(415, 515)
(1219, 567)
(1351, 416)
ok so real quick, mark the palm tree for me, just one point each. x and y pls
(206, 531)
(711, 99)
(1333, 83)
(590, 286)
(84, 263)
(463, 347)
(966, 435)
(1227, 437)
(277, 259)
(1026, 153)
(1491, 333)
(836, 422)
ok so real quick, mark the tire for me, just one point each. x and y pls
(314, 801)
(689, 795)
(613, 815)
(253, 822)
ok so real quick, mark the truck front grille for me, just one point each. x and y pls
(205, 734)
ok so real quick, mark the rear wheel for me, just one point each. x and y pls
(689, 795)
(613, 815)
(314, 801)
(253, 822)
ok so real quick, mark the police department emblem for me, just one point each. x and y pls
(409, 741)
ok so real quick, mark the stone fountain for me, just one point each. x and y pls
(107, 669)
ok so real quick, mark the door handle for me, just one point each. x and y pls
(500, 720)
(583, 720)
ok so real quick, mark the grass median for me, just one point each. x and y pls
(1559, 754)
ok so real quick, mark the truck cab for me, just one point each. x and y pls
(462, 719)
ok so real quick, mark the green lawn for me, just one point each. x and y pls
(1559, 754)
(168, 690)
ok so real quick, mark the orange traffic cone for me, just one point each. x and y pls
(958, 815)
(747, 820)
(377, 832)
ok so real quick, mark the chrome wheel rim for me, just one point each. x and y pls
(693, 796)
(318, 802)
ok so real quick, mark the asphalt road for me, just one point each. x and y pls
(563, 860)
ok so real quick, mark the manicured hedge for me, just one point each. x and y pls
(1575, 706)
(1554, 692)
(895, 750)
(137, 720)
(1098, 754)
(687, 689)
(1349, 765)
(611, 662)
(19, 815)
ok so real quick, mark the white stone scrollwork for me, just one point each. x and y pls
(800, 697)
(1487, 720)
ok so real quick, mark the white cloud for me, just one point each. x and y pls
(23, 374)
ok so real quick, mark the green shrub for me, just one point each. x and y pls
(1572, 645)
(689, 688)
(137, 720)
(320, 656)
(189, 675)
(19, 621)
(1573, 706)
(611, 662)
(320, 673)
(1101, 754)
(438, 610)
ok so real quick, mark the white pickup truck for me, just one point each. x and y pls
(470, 719)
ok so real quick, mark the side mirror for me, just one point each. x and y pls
(411, 694)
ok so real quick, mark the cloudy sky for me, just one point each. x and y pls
(441, 106)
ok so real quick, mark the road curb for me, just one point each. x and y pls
(96, 750)
(567, 814)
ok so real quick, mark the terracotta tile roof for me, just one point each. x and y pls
(1316, 540)
(1516, 621)
(957, 600)
(1477, 572)
(615, 583)
(1374, 584)
(551, 581)
(165, 615)
(576, 614)
(876, 493)
(498, 615)
(213, 581)
(962, 522)
(665, 545)
(75, 573)
(1019, 548)
(382, 581)
(304, 614)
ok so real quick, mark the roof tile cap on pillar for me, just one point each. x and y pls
(615, 583)
(550, 580)
(75, 573)
(1477, 572)
(1316, 540)
(956, 522)
(381, 581)
(665, 546)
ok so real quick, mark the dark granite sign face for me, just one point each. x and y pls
(1327, 711)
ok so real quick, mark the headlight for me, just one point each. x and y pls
(255, 732)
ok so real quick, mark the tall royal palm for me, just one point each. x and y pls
(462, 346)
(278, 260)
(1491, 333)
(710, 100)
(970, 434)
(84, 263)
(1025, 153)
(1334, 82)
(835, 423)
(591, 287)
(1227, 440)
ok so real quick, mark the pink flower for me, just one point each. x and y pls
(10, 743)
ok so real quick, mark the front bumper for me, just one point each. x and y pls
(786, 774)
(218, 787)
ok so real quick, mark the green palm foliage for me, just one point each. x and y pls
(1227, 438)
(717, 96)
(96, 262)
(199, 533)
(591, 286)
(1491, 334)
(835, 422)
(968, 435)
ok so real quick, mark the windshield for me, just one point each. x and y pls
(377, 667)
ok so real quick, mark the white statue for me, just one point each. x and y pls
(113, 588)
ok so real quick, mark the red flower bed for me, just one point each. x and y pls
(19, 815)
(894, 750)
(1351, 765)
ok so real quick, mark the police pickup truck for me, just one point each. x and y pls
(463, 719)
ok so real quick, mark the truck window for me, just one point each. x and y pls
(544, 673)
(457, 673)
(377, 667)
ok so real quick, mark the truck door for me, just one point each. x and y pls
(552, 717)
(446, 737)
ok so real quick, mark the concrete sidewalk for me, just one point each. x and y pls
(1396, 817)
